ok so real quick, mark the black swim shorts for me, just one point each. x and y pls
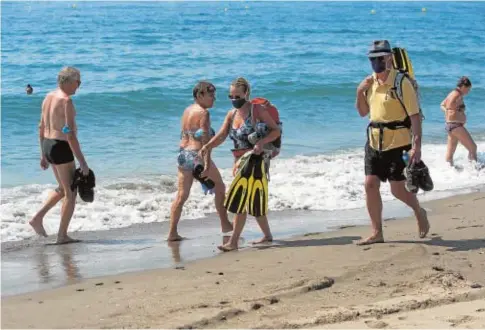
(57, 151)
(387, 165)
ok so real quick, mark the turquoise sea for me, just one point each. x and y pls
(140, 60)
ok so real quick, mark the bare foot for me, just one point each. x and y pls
(263, 240)
(423, 223)
(227, 247)
(374, 239)
(227, 228)
(66, 240)
(38, 227)
(174, 238)
(225, 239)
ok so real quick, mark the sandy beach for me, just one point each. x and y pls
(139, 65)
(313, 281)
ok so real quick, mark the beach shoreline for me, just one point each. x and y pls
(312, 280)
(36, 264)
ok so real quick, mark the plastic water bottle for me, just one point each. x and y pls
(206, 189)
(405, 157)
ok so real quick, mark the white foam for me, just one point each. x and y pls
(324, 182)
(333, 182)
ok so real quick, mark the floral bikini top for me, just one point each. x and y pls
(240, 135)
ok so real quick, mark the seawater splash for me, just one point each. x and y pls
(323, 182)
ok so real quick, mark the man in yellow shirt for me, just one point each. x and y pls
(389, 136)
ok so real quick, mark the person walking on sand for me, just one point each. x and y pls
(455, 117)
(239, 125)
(195, 132)
(389, 135)
(58, 146)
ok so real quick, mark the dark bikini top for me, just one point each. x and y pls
(240, 135)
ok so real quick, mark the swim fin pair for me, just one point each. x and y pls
(249, 189)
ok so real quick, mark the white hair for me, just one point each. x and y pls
(68, 74)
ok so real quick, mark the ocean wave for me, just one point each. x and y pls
(322, 182)
(151, 89)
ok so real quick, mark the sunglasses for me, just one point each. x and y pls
(376, 59)
(235, 97)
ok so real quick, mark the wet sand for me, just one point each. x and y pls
(313, 280)
(36, 264)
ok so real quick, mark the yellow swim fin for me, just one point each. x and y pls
(258, 192)
(249, 189)
(237, 197)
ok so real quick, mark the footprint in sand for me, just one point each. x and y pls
(460, 320)
(256, 306)
(376, 324)
(455, 205)
(273, 300)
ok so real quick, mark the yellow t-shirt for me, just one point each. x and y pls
(385, 107)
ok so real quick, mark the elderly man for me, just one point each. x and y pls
(394, 130)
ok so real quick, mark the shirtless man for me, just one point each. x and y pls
(58, 146)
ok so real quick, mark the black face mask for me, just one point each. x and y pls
(378, 65)
(238, 103)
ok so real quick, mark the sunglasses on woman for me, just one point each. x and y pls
(234, 97)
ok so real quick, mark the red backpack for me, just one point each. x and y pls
(273, 112)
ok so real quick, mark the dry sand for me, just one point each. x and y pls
(314, 281)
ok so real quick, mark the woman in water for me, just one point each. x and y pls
(454, 108)
(195, 132)
(58, 146)
(238, 125)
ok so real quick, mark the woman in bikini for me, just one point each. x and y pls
(196, 131)
(454, 109)
(238, 125)
(58, 146)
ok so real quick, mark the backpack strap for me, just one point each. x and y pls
(232, 117)
(253, 120)
(398, 81)
(398, 88)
